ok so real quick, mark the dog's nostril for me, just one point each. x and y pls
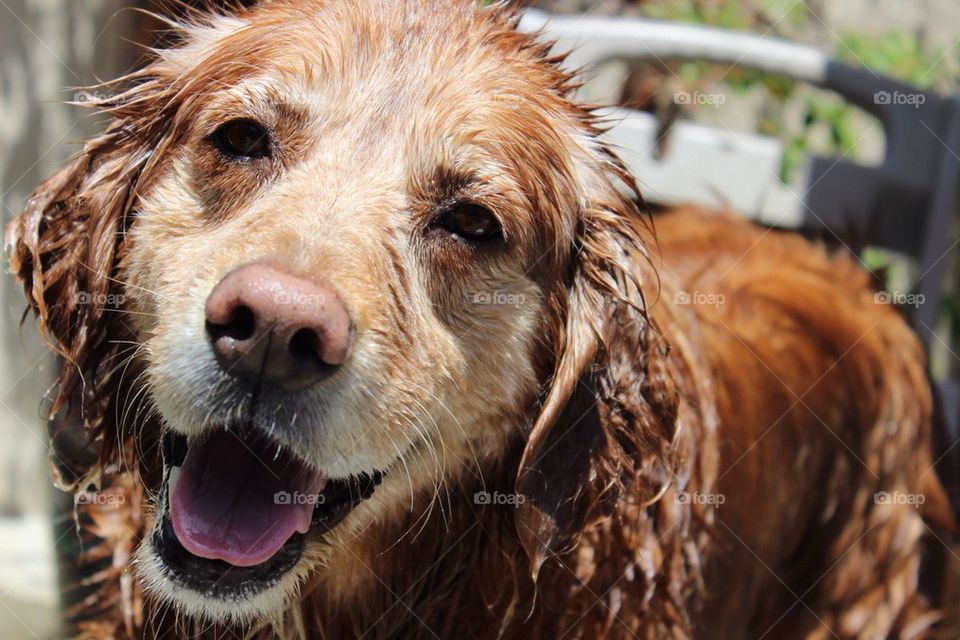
(240, 326)
(305, 345)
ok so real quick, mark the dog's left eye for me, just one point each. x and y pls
(243, 139)
(470, 221)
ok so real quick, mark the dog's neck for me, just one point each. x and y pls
(462, 572)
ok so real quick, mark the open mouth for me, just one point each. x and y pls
(237, 508)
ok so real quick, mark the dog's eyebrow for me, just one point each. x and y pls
(288, 111)
(448, 183)
(258, 94)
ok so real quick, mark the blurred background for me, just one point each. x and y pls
(51, 48)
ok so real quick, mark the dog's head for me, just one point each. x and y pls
(354, 250)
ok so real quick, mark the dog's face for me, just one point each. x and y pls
(352, 244)
(365, 211)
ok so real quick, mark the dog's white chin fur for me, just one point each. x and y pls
(262, 606)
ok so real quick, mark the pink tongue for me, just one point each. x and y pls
(234, 502)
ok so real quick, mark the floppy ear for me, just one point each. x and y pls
(64, 248)
(609, 415)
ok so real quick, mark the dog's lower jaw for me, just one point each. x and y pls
(235, 610)
(214, 591)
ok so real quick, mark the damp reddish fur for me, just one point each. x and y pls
(618, 411)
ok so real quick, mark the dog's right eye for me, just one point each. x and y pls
(243, 140)
(471, 222)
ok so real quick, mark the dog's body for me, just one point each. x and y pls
(791, 419)
(527, 416)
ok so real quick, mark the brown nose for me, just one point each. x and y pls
(268, 327)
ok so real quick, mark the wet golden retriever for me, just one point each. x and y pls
(353, 294)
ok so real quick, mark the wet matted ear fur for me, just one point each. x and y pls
(66, 247)
(608, 420)
(68, 244)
